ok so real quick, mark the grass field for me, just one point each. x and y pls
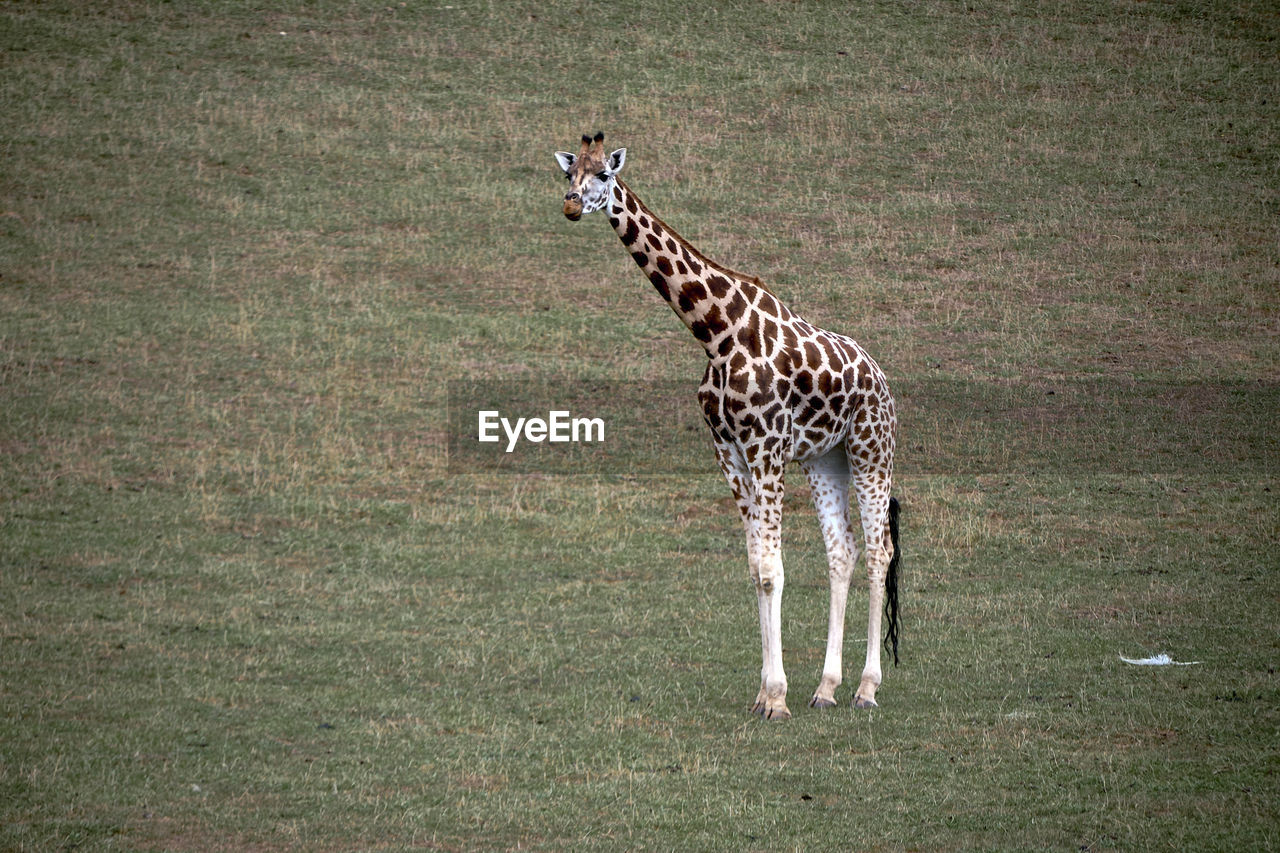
(248, 601)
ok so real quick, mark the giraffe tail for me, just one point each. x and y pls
(891, 583)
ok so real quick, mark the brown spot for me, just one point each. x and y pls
(719, 285)
(789, 339)
(710, 402)
(664, 265)
(640, 258)
(671, 246)
(709, 326)
(749, 334)
(726, 345)
(617, 193)
(812, 355)
(644, 221)
(835, 354)
(693, 264)
(804, 381)
(770, 330)
(631, 202)
(630, 235)
(739, 381)
(661, 284)
(736, 308)
(692, 294)
(655, 242)
(767, 303)
(681, 268)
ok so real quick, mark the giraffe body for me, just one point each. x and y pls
(776, 389)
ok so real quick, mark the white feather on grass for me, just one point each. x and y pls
(1158, 660)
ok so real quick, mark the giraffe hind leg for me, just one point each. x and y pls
(879, 523)
(829, 481)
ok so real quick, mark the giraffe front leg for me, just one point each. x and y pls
(764, 551)
(771, 701)
(758, 492)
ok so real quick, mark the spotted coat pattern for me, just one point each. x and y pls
(776, 389)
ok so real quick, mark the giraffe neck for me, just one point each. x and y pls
(721, 307)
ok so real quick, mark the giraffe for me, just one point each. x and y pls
(776, 389)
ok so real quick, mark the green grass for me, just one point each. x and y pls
(249, 600)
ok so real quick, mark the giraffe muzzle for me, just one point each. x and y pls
(573, 207)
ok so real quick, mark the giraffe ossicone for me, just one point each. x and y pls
(776, 389)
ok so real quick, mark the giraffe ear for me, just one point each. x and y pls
(565, 159)
(616, 159)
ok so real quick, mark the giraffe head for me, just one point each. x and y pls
(590, 172)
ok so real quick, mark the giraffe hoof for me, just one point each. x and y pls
(864, 702)
(771, 712)
(821, 702)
